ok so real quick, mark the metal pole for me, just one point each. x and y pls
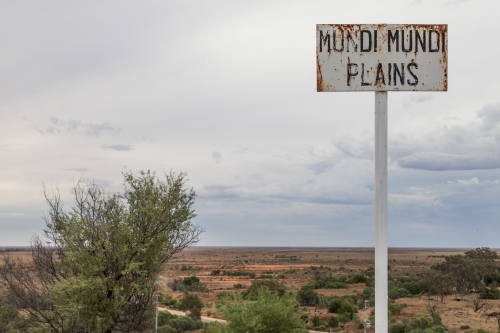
(156, 319)
(381, 255)
(364, 318)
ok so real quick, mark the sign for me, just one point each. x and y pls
(382, 57)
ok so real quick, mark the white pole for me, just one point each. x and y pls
(364, 318)
(156, 317)
(381, 256)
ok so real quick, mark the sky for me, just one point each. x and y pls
(226, 91)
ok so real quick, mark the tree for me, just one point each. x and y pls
(465, 271)
(97, 269)
(485, 259)
(193, 304)
(270, 313)
(444, 284)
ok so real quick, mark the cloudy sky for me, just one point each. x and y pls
(226, 91)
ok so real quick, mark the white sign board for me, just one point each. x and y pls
(382, 57)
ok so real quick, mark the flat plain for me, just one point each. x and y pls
(293, 267)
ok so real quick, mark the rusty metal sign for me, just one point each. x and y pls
(382, 57)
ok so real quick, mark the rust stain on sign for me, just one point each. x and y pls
(382, 57)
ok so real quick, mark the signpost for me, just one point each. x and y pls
(381, 58)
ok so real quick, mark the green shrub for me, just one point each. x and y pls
(417, 325)
(315, 321)
(191, 303)
(397, 328)
(395, 308)
(268, 313)
(191, 283)
(239, 273)
(357, 278)
(167, 300)
(169, 323)
(7, 318)
(493, 277)
(343, 307)
(395, 293)
(223, 295)
(274, 286)
(166, 329)
(307, 296)
(333, 321)
(491, 292)
(412, 287)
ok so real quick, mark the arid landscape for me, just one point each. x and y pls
(294, 268)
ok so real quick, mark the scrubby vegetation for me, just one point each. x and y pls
(191, 283)
(169, 323)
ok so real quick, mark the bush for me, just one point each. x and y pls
(274, 286)
(164, 317)
(238, 273)
(193, 304)
(420, 323)
(191, 283)
(417, 325)
(490, 293)
(490, 278)
(357, 278)
(169, 323)
(166, 329)
(268, 313)
(333, 321)
(7, 317)
(315, 321)
(167, 300)
(395, 293)
(397, 328)
(412, 287)
(307, 296)
(223, 295)
(395, 308)
(343, 307)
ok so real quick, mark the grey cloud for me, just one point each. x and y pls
(416, 98)
(219, 187)
(288, 192)
(355, 147)
(58, 126)
(420, 98)
(220, 192)
(242, 150)
(104, 183)
(322, 166)
(452, 145)
(118, 147)
(490, 116)
(217, 157)
(323, 161)
(434, 161)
